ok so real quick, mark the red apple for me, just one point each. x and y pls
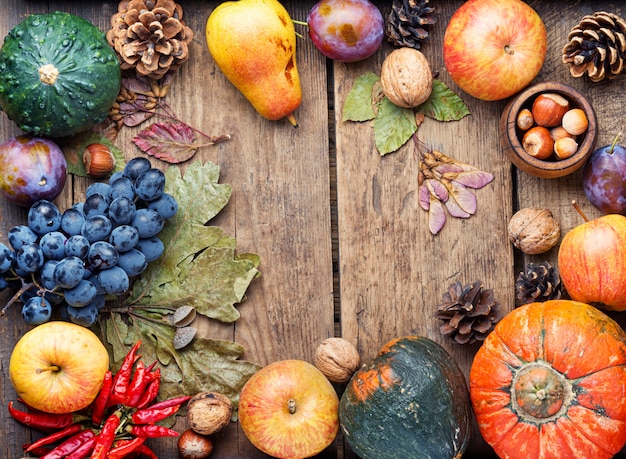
(289, 410)
(494, 48)
(592, 262)
(58, 367)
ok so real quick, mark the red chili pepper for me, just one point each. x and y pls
(44, 421)
(70, 445)
(151, 416)
(105, 438)
(170, 402)
(137, 385)
(39, 451)
(83, 450)
(143, 450)
(151, 431)
(58, 435)
(100, 403)
(123, 448)
(122, 377)
(152, 390)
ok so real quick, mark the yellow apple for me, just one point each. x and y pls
(58, 367)
(289, 410)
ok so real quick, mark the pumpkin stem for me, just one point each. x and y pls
(291, 405)
(540, 392)
(48, 74)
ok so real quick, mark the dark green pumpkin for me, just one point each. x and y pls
(412, 402)
(58, 75)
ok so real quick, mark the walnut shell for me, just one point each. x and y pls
(209, 412)
(406, 78)
(534, 230)
(337, 358)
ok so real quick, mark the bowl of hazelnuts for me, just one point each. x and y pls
(548, 130)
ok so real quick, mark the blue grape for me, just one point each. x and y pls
(72, 221)
(148, 222)
(96, 204)
(166, 205)
(43, 217)
(53, 245)
(114, 281)
(151, 247)
(136, 166)
(81, 295)
(29, 257)
(85, 316)
(46, 274)
(96, 228)
(102, 255)
(6, 258)
(133, 262)
(149, 184)
(124, 237)
(115, 175)
(4, 283)
(36, 311)
(78, 206)
(98, 302)
(122, 211)
(20, 235)
(77, 246)
(101, 188)
(96, 282)
(122, 187)
(69, 272)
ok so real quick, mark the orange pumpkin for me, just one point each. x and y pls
(550, 382)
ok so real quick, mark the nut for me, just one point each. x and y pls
(183, 336)
(575, 121)
(538, 142)
(565, 147)
(534, 230)
(525, 119)
(98, 160)
(559, 132)
(209, 412)
(548, 109)
(406, 78)
(192, 445)
(337, 358)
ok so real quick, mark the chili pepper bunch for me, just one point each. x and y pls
(117, 423)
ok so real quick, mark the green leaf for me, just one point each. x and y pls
(443, 104)
(393, 126)
(359, 104)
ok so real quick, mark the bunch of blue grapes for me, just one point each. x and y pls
(74, 260)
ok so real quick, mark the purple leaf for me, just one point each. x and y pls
(437, 189)
(436, 216)
(463, 197)
(446, 168)
(170, 142)
(424, 197)
(473, 179)
(455, 210)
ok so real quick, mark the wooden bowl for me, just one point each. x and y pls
(511, 135)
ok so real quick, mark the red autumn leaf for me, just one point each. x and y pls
(170, 142)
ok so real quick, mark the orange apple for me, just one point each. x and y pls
(289, 410)
(592, 262)
(494, 48)
(58, 367)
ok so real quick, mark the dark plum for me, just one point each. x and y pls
(604, 179)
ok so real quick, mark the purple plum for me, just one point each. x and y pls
(604, 179)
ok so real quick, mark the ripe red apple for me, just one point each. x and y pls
(58, 367)
(592, 262)
(289, 410)
(494, 48)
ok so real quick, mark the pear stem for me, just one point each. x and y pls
(292, 120)
(48, 368)
(579, 210)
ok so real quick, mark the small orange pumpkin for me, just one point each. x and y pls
(550, 382)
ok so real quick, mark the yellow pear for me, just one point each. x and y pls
(253, 42)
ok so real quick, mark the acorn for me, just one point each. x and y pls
(98, 159)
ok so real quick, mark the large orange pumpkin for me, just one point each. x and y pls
(550, 382)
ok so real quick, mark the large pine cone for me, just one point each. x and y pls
(409, 22)
(597, 46)
(150, 36)
(539, 282)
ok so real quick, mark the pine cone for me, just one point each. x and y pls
(540, 282)
(597, 46)
(469, 312)
(409, 22)
(150, 36)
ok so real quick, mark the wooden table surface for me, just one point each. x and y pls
(345, 248)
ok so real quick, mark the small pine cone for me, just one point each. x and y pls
(597, 46)
(469, 313)
(409, 22)
(540, 282)
(150, 36)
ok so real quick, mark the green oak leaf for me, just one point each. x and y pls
(393, 126)
(443, 104)
(359, 103)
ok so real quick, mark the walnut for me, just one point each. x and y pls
(337, 358)
(209, 412)
(406, 78)
(534, 230)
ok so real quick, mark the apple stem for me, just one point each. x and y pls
(615, 140)
(48, 368)
(291, 405)
(579, 210)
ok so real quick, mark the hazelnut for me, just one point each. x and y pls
(98, 160)
(209, 412)
(538, 142)
(525, 119)
(575, 121)
(337, 358)
(548, 109)
(534, 230)
(192, 445)
(565, 147)
(559, 132)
